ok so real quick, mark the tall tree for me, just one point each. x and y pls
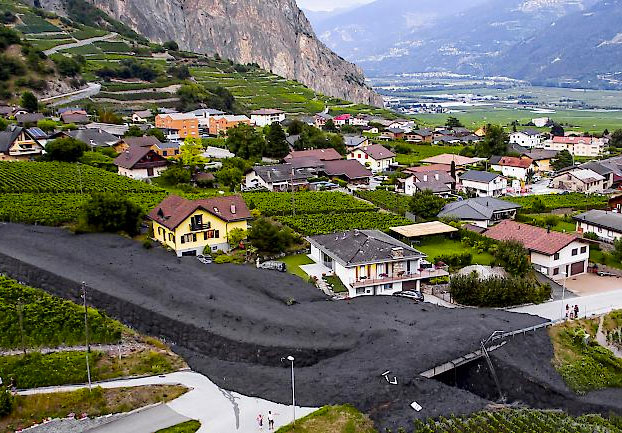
(562, 160)
(29, 102)
(246, 142)
(190, 153)
(453, 122)
(616, 138)
(557, 130)
(494, 143)
(276, 142)
(426, 205)
(65, 149)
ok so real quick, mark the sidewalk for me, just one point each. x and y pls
(592, 305)
(218, 410)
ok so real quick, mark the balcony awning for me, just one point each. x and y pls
(424, 229)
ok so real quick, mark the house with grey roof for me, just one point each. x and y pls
(95, 138)
(19, 144)
(354, 141)
(606, 225)
(528, 138)
(370, 262)
(483, 183)
(438, 182)
(579, 179)
(375, 157)
(280, 177)
(480, 211)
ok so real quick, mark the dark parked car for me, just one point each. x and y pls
(411, 294)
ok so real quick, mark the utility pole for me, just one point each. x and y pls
(20, 310)
(86, 334)
(293, 195)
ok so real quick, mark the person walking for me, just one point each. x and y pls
(260, 421)
(270, 420)
(567, 311)
(576, 311)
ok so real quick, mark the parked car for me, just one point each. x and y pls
(272, 265)
(205, 259)
(411, 294)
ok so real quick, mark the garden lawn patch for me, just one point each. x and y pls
(561, 225)
(184, 427)
(603, 258)
(36, 370)
(332, 419)
(419, 152)
(391, 201)
(574, 200)
(318, 224)
(47, 320)
(335, 282)
(584, 367)
(294, 262)
(31, 409)
(435, 246)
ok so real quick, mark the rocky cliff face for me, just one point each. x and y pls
(272, 33)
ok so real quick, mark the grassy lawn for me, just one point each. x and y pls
(31, 409)
(332, 419)
(60, 368)
(559, 224)
(184, 427)
(603, 258)
(435, 246)
(335, 282)
(423, 151)
(583, 367)
(294, 262)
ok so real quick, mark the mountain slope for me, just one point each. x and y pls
(275, 34)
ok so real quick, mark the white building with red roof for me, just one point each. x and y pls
(511, 166)
(578, 146)
(557, 255)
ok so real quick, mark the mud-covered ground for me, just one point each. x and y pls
(234, 323)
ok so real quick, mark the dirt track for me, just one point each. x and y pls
(233, 324)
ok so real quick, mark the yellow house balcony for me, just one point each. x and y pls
(400, 276)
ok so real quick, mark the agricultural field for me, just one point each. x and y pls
(576, 201)
(305, 203)
(58, 177)
(519, 421)
(387, 200)
(316, 224)
(47, 320)
(32, 23)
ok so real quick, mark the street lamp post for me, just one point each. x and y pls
(86, 334)
(564, 295)
(291, 359)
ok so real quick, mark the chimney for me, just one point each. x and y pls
(233, 209)
(425, 177)
(397, 253)
(436, 176)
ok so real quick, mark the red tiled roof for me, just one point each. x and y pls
(513, 161)
(174, 209)
(329, 154)
(533, 238)
(572, 140)
(343, 117)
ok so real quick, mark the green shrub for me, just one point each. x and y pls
(109, 212)
(455, 260)
(222, 258)
(496, 291)
(6, 401)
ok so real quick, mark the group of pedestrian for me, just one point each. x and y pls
(270, 417)
(572, 312)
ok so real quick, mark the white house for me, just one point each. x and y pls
(141, 116)
(540, 122)
(140, 163)
(370, 262)
(438, 182)
(483, 183)
(375, 157)
(267, 116)
(511, 166)
(606, 225)
(281, 177)
(529, 138)
(557, 255)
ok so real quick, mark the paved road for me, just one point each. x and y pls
(588, 306)
(81, 43)
(218, 410)
(92, 89)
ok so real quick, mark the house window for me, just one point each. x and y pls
(170, 236)
(217, 233)
(575, 251)
(556, 256)
(360, 291)
(583, 250)
(204, 236)
(556, 271)
(164, 153)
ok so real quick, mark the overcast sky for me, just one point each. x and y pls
(329, 5)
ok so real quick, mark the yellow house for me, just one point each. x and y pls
(188, 226)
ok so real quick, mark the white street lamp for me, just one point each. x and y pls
(291, 359)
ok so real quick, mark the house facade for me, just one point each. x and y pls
(19, 144)
(579, 180)
(191, 227)
(279, 178)
(556, 255)
(530, 138)
(480, 211)
(511, 166)
(370, 262)
(267, 117)
(483, 184)
(140, 163)
(221, 124)
(186, 125)
(606, 225)
(577, 146)
(375, 157)
(438, 182)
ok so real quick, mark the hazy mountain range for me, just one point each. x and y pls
(567, 42)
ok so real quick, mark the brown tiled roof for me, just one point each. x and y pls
(134, 155)
(146, 141)
(329, 154)
(533, 238)
(377, 151)
(174, 210)
(351, 168)
(512, 161)
(426, 168)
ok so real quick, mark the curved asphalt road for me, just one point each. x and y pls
(218, 410)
